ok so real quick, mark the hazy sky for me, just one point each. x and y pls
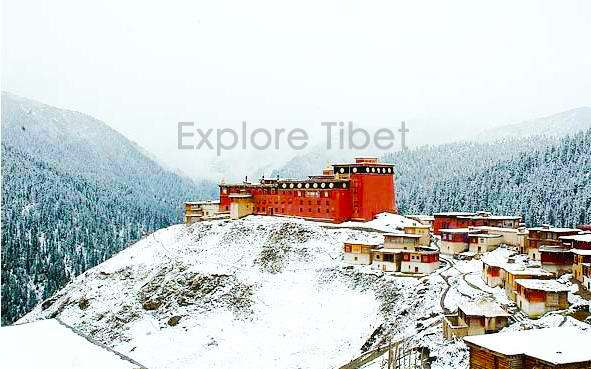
(449, 66)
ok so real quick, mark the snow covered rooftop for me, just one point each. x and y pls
(581, 252)
(363, 242)
(485, 235)
(458, 230)
(421, 217)
(483, 308)
(204, 202)
(554, 345)
(555, 229)
(584, 237)
(554, 248)
(500, 229)
(453, 214)
(403, 235)
(517, 269)
(49, 344)
(549, 285)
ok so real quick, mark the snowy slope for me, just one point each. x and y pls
(262, 292)
(54, 346)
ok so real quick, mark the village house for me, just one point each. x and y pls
(387, 260)
(421, 230)
(510, 236)
(422, 219)
(196, 211)
(483, 242)
(451, 220)
(580, 246)
(358, 252)
(403, 252)
(513, 272)
(586, 272)
(423, 261)
(402, 241)
(580, 257)
(492, 271)
(536, 297)
(545, 235)
(556, 259)
(563, 347)
(455, 241)
(475, 318)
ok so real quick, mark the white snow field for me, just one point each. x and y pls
(50, 345)
(263, 292)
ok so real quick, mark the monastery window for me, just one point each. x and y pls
(301, 202)
(327, 210)
(309, 210)
(319, 210)
(283, 210)
(301, 210)
(327, 203)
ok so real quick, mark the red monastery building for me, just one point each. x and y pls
(355, 191)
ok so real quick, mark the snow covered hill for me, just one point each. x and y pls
(263, 291)
(260, 292)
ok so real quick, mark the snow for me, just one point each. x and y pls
(483, 308)
(543, 285)
(265, 292)
(555, 345)
(50, 345)
(385, 222)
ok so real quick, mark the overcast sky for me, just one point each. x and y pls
(143, 66)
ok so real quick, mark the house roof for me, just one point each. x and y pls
(459, 230)
(205, 202)
(453, 214)
(517, 269)
(554, 249)
(483, 308)
(555, 229)
(561, 345)
(365, 243)
(584, 237)
(421, 217)
(485, 235)
(548, 285)
(581, 252)
(406, 235)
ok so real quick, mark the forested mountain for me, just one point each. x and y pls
(74, 193)
(549, 185)
(419, 170)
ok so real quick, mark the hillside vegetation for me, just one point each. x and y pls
(74, 193)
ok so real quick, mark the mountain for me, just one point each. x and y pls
(74, 193)
(418, 170)
(556, 125)
(265, 292)
(262, 291)
(544, 185)
(502, 143)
